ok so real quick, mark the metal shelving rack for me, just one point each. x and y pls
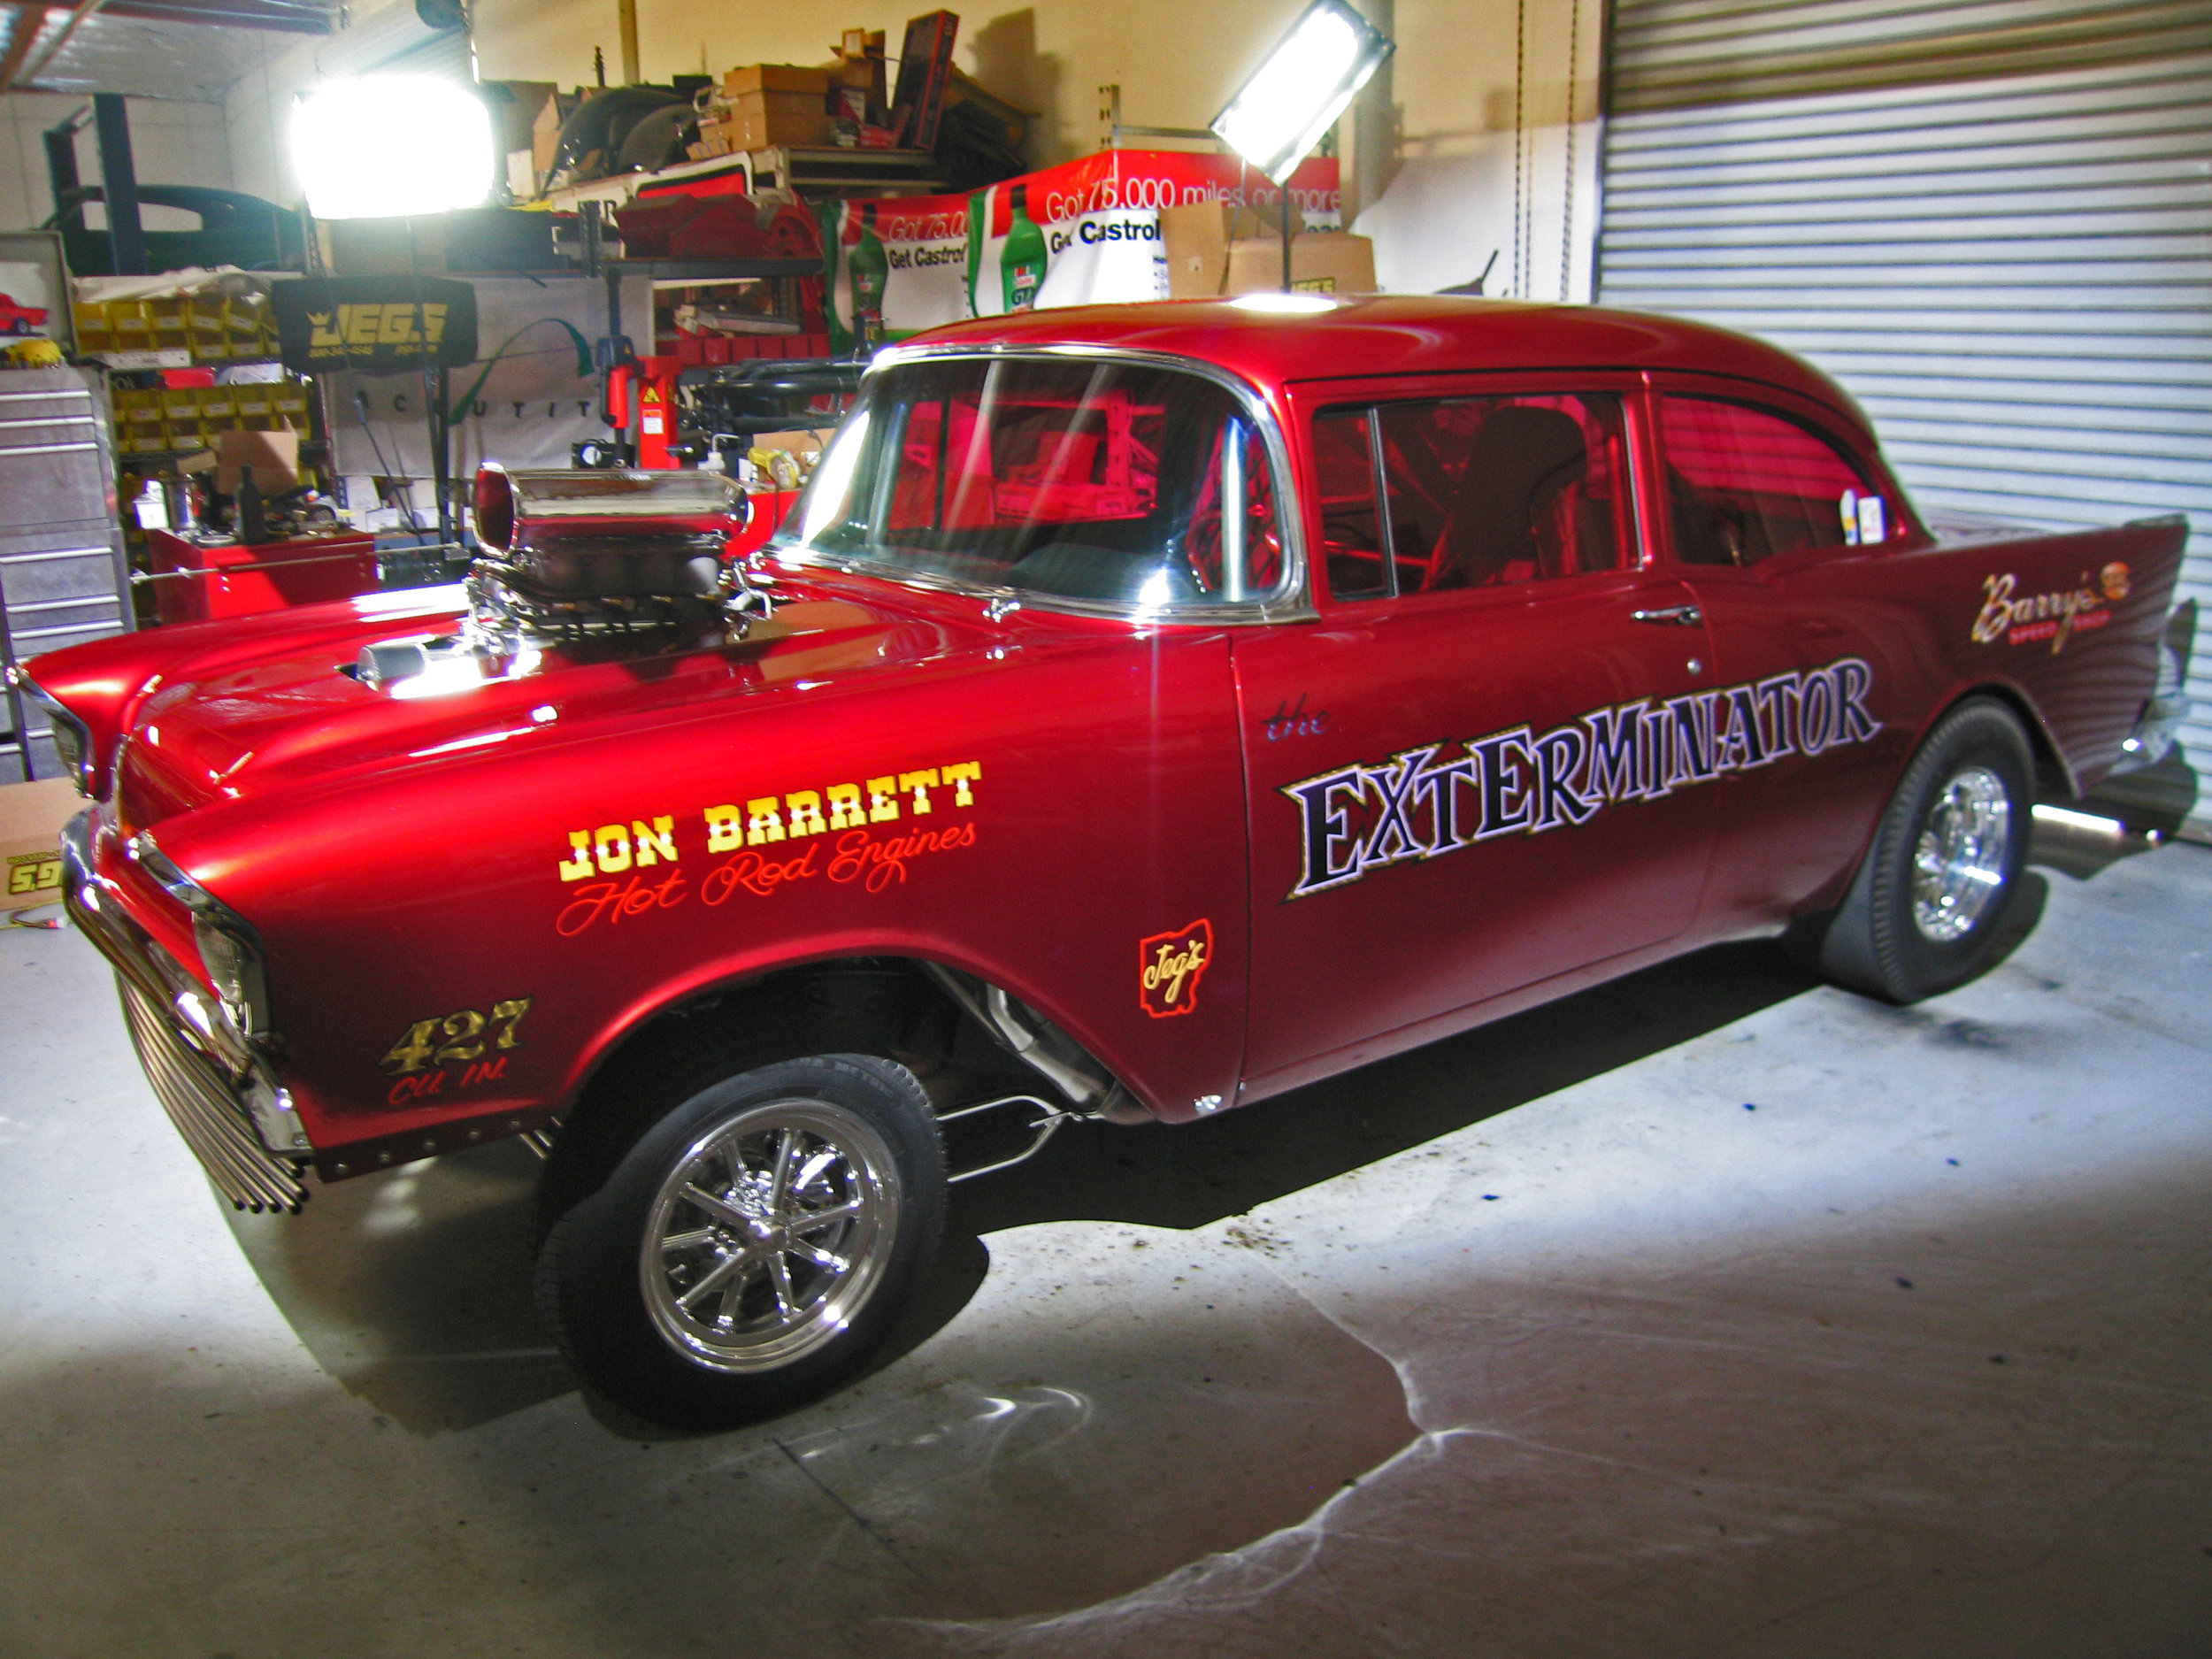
(63, 578)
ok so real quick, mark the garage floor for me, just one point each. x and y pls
(1710, 1313)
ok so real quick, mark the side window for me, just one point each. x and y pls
(1475, 492)
(1744, 484)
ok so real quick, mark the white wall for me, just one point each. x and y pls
(1443, 194)
(257, 108)
(171, 144)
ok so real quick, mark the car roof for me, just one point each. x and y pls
(1374, 335)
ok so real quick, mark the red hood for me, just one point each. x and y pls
(229, 712)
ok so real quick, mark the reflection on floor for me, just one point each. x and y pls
(1712, 1312)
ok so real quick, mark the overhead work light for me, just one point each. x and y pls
(1301, 87)
(391, 146)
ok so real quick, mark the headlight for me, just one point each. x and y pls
(229, 948)
(73, 738)
(233, 964)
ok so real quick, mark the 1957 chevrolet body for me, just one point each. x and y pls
(1017, 777)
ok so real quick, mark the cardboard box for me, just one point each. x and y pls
(545, 136)
(1215, 250)
(775, 78)
(769, 130)
(31, 819)
(274, 456)
(517, 108)
(1321, 262)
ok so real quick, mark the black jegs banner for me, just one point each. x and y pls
(382, 325)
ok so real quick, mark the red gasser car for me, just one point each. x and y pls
(1146, 710)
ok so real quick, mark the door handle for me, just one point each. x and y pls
(1681, 616)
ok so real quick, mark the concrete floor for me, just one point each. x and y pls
(1711, 1313)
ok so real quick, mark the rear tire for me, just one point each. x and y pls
(749, 1251)
(1923, 914)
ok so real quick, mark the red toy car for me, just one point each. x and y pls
(1145, 711)
(21, 319)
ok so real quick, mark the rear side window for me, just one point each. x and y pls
(1469, 492)
(1744, 484)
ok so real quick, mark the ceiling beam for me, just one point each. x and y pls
(290, 16)
(60, 38)
(28, 20)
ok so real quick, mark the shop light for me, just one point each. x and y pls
(1298, 90)
(390, 146)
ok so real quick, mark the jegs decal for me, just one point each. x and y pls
(1442, 796)
(2055, 617)
(1169, 967)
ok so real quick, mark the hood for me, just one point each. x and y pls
(326, 708)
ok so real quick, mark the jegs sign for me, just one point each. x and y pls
(1440, 798)
(376, 324)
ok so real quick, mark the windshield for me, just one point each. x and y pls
(1082, 479)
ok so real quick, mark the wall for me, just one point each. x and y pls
(256, 112)
(1463, 149)
(1432, 153)
(1476, 100)
(171, 144)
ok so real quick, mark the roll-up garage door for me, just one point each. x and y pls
(1991, 221)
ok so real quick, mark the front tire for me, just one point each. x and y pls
(750, 1250)
(1923, 913)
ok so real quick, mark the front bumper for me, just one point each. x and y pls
(225, 1102)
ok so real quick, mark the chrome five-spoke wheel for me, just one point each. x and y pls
(768, 1233)
(745, 1245)
(1963, 857)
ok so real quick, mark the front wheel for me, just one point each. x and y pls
(1923, 912)
(749, 1251)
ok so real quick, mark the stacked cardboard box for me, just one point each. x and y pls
(770, 105)
(1214, 249)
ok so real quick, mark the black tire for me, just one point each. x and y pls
(1924, 911)
(706, 1317)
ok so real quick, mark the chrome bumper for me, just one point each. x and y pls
(225, 1105)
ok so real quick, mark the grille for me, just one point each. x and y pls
(201, 1105)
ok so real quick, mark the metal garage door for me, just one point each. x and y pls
(1991, 222)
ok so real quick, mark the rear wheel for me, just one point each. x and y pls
(749, 1250)
(1923, 914)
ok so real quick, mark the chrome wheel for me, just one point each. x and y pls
(1961, 859)
(769, 1233)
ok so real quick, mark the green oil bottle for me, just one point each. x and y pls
(1022, 263)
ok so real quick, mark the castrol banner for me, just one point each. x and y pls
(1080, 234)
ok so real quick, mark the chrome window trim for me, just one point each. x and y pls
(1292, 601)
